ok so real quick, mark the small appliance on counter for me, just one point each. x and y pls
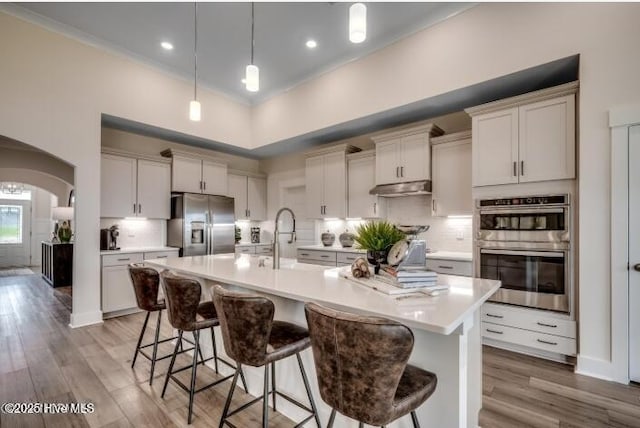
(409, 254)
(255, 235)
(109, 238)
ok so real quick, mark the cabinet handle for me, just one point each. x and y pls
(546, 342)
(494, 316)
(397, 172)
(521, 167)
(375, 208)
(433, 203)
(139, 208)
(515, 168)
(324, 256)
(200, 185)
(546, 325)
(161, 257)
(204, 185)
(134, 208)
(445, 267)
(401, 171)
(124, 260)
(494, 331)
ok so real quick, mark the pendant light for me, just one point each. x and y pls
(194, 105)
(252, 76)
(357, 23)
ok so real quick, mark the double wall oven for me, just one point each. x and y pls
(525, 242)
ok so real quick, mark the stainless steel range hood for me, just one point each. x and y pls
(410, 188)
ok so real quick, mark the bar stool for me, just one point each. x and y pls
(253, 338)
(361, 364)
(146, 284)
(186, 313)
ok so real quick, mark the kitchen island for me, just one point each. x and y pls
(446, 327)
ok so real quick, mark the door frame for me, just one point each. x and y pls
(27, 220)
(620, 120)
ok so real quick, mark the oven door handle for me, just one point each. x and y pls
(523, 210)
(523, 253)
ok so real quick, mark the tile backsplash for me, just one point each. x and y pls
(138, 233)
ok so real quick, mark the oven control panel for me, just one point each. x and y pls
(525, 201)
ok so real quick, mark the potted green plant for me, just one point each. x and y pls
(377, 237)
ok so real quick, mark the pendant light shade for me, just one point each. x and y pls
(357, 23)
(252, 73)
(194, 106)
(194, 111)
(252, 78)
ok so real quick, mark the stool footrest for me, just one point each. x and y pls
(281, 394)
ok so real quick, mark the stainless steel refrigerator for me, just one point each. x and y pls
(201, 224)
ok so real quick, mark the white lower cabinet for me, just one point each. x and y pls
(118, 297)
(264, 249)
(328, 257)
(531, 328)
(450, 267)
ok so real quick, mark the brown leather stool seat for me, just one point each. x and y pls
(146, 285)
(361, 364)
(253, 338)
(187, 313)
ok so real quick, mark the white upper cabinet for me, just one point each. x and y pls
(186, 175)
(154, 189)
(250, 195)
(214, 178)
(495, 148)
(326, 183)
(133, 187)
(403, 156)
(451, 174)
(526, 138)
(547, 140)
(361, 178)
(117, 186)
(195, 175)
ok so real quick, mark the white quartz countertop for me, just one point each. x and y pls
(441, 314)
(138, 250)
(450, 255)
(320, 247)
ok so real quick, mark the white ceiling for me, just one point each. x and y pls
(281, 30)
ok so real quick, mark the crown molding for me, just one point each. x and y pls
(450, 138)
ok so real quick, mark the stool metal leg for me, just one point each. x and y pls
(215, 351)
(144, 328)
(273, 384)
(244, 382)
(361, 425)
(173, 360)
(308, 389)
(414, 419)
(155, 347)
(332, 418)
(265, 398)
(192, 391)
(227, 404)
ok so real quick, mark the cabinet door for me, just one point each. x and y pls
(117, 186)
(388, 162)
(214, 178)
(495, 148)
(335, 185)
(238, 191)
(314, 180)
(154, 189)
(361, 179)
(452, 179)
(415, 158)
(547, 140)
(117, 290)
(257, 198)
(186, 175)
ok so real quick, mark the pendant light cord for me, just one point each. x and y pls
(253, 40)
(195, 51)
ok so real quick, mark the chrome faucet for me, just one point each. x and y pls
(277, 233)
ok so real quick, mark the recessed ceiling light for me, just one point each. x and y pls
(311, 44)
(167, 46)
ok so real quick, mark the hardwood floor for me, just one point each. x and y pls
(42, 359)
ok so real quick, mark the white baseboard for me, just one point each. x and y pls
(85, 318)
(594, 367)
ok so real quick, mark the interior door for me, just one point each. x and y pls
(634, 253)
(15, 235)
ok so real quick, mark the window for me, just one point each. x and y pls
(10, 224)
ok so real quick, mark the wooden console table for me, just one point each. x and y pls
(57, 263)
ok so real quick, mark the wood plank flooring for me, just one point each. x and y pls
(42, 359)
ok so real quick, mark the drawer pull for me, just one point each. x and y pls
(494, 316)
(161, 257)
(546, 325)
(304, 254)
(494, 331)
(547, 342)
(324, 256)
(445, 267)
(124, 260)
